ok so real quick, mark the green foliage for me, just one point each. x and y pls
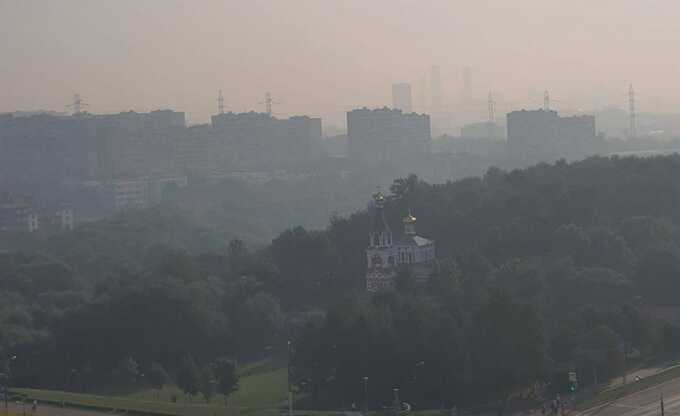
(581, 255)
(207, 383)
(126, 372)
(227, 378)
(189, 376)
(157, 376)
(508, 346)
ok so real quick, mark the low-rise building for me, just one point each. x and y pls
(386, 257)
(21, 214)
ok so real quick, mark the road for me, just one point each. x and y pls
(643, 403)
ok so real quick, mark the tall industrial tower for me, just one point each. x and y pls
(632, 128)
(220, 102)
(491, 104)
(422, 96)
(436, 90)
(77, 104)
(268, 103)
(491, 124)
(401, 97)
(546, 100)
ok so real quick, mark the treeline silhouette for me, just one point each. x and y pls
(541, 271)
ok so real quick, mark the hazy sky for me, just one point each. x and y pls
(322, 57)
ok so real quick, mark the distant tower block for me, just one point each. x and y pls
(401, 97)
(422, 96)
(220, 102)
(436, 90)
(632, 128)
(546, 100)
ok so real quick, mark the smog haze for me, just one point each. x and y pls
(323, 58)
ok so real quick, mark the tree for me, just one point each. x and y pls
(206, 383)
(126, 371)
(508, 346)
(658, 274)
(227, 378)
(157, 376)
(258, 321)
(188, 376)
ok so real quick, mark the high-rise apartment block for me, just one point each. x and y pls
(261, 140)
(543, 134)
(401, 97)
(385, 135)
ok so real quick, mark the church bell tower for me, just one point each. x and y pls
(380, 254)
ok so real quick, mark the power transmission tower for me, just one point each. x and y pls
(77, 104)
(268, 102)
(492, 117)
(492, 109)
(632, 128)
(546, 100)
(220, 102)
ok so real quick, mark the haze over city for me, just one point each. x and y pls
(339, 207)
(324, 58)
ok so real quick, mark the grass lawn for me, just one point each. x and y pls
(257, 391)
(262, 392)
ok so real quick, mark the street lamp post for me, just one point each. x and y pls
(397, 403)
(366, 394)
(8, 374)
(290, 391)
(416, 389)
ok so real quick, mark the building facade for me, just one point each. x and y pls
(543, 134)
(20, 214)
(386, 257)
(140, 192)
(257, 140)
(45, 148)
(386, 136)
(401, 97)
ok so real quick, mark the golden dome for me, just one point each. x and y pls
(379, 198)
(409, 219)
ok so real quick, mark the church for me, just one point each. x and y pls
(386, 257)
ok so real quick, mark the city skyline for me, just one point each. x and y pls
(325, 59)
